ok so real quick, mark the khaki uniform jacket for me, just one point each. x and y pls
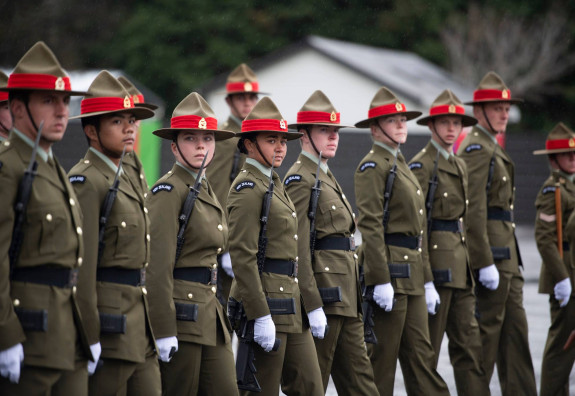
(244, 210)
(127, 246)
(222, 164)
(135, 169)
(554, 269)
(334, 218)
(447, 250)
(206, 235)
(407, 216)
(52, 236)
(476, 150)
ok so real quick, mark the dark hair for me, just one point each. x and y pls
(241, 143)
(94, 121)
(22, 96)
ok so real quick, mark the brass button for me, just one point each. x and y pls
(281, 288)
(144, 291)
(513, 225)
(146, 265)
(504, 178)
(445, 194)
(511, 207)
(298, 162)
(141, 176)
(214, 289)
(244, 171)
(475, 134)
(293, 214)
(6, 143)
(332, 207)
(49, 217)
(353, 215)
(419, 250)
(79, 230)
(296, 258)
(123, 224)
(145, 210)
(405, 257)
(295, 280)
(327, 268)
(463, 239)
(220, 227)
(355, 256)
(435, 246)
(169, 172)
(145, 195)
(80, 261)
(86, 161)
(418, 192)
(190, 296)
(371, 151)
(148, 237)
(74, 289)
(16, 302)
(420, 211)
(421, 232)
(219, 250)
(466, 202)
(214, 266)
(72, 202)
(343, 196)
(295, 237)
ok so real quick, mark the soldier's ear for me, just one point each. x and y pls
(17, 108)
(91, 132)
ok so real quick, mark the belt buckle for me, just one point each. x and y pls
(72, 277)
(351, 243)
(213, 276)
(142, 277)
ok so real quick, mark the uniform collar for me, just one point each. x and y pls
(191, 172)
(41, 152)
(263, 169)
(315, 159)
(567, 176)
(106, 160)
(2, 138)
(446, 154)
(485, 131)
(393, 151)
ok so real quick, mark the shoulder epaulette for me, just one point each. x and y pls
(292, 178)
(162, 187)
(244, 184)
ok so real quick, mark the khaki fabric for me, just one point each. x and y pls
(123, 378)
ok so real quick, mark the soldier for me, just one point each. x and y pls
(327, 262)
(555, 203)
(443, 180)
(186, 282)
(41, 247)
(116, 236)
(5, 117)
(392, 223)
(492, 245)
(242, 89)
(263, 138)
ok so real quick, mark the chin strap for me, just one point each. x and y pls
(184, 157)
(262, 154)
(308, 131)
(385, 133)
(487, 119)
(434, 131)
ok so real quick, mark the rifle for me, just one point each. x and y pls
(431, 195)
(188, 207)
(313, 201)
(107, 205)
(388, 189)
(235, 164)
(262, 238)
(368, 313)
(24, 192)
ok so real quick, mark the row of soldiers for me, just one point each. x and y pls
(111, 288)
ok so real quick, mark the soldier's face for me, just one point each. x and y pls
(496, 112)
(50, 107)
(242, 104)
(325, 138)
(116, 131)
(272, 145)
(194, 146)
(395, 128)
(5, 119)
(448, 128)
(566, 162)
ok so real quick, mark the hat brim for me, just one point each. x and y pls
(298, 126)
(71, 93)
(146, 106)
(288, 135)
(511, 101)
(555, 151)
(241, 92)
(140, 113)
(466, 120)
(410, 115)
(171, 133)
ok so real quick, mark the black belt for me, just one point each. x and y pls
(403, 240)
(446, 225)
(203, 275)
(45, 275)
(495, 213)
(335, 243)
(282, 267)
(123, 276)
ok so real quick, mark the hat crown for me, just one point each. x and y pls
(383, 97)
(129, 86)
(560, 132)
(318, 101)
(105, 85)
(265, 109)
(3, 79)
(194, 104)
(447, 98)
(242, 73)
(492, 81)
(39, 60)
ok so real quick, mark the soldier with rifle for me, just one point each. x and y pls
(189, 230)
(43, 343)
(392, 222)
(555, 237)
(328, 271)
(117, 240)
(242, 90)
(5, 116)
(263, 247)
(443, 180)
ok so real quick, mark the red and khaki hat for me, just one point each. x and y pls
(318, 110)
(492, 89)
(193, 114)
(561, 139)
(447, 104)
(242, 80)
(265, 117)
(3, 83)
(39, 70)
(385, 104)
(137, 96)
(108, 96)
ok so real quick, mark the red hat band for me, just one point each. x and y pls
(3, 96)
(393, 108)
(39, 81)
(93, 105)
(237, 87)
(193, 122)
(491, 94)
(309, 117)
(446, 109)
(557, 144)
(138, 98)
(264, 125)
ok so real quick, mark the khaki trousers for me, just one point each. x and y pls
(123, 378)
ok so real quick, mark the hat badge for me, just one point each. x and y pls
(398, 107)
(248, 87)
(282, 124)
(505, 94)
(333, 116)
(127, 103)
(202, 124)
(452, 109)
(571, 142)
(135, 99)
(60, 86)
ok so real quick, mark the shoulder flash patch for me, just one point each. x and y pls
(548, 189)
(473, 147)
(245, 184)
(162, 187)
(366, 165)
(292, 178)
(77, 179)
(416, 165)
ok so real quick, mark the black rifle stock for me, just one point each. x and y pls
(368, 313)
(313, 201)
(106, 208)
(265, 212)
(24, 192)
(188, 207)
(431, 195)
(388, 189)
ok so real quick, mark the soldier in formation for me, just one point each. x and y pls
(5, 117)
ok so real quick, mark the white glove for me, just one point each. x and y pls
(10, 360)
(265, 332)
(227, 264)
(165, 346)
(489, 277)
(383, 296)
(431, 298)
(562, 291)
(317, 322)
(96, 350)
